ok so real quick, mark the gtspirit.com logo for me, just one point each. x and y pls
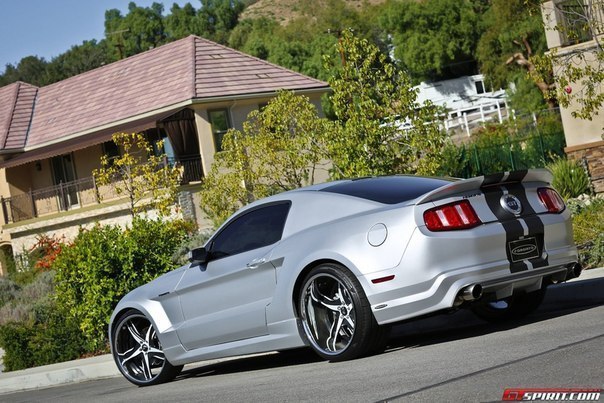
(570, 395)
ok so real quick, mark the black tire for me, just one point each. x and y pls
(138, 353)
(514, 307)
(336, 317)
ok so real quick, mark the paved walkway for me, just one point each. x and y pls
(87, 369)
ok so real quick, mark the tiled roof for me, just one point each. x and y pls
(16, 106)
(117, 91)
(187, 69)
(221, 71)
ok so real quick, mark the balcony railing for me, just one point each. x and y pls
(79, 193)
(191, 168)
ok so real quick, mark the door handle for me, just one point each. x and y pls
(254, 264)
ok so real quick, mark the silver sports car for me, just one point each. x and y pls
(331, 266)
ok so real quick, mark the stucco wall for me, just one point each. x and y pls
(579, 131)
(19, 179)
(86, 160)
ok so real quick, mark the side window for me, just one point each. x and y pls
(260, 227)
(219, 119)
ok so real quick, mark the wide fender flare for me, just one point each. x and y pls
(158, 319)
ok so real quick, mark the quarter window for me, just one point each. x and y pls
(260, 227)
(219, 120)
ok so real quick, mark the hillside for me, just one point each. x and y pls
(286, 10)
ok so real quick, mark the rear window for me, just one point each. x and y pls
(388, 189)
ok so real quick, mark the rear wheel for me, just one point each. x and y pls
(138, 353)
(514, 307)
(336, 317)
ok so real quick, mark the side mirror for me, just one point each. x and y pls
(198, 256)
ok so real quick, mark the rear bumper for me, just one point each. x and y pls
(398, 300)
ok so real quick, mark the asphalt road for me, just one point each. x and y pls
(447, 358)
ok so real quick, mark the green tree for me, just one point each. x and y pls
(140, 30)
(382, 129)
(513, 36)
(279, 149)
(301, 43)
(253, 36)
(30, 69)
(182, 21)
(218, 17)
(434, 39)
(140, 175)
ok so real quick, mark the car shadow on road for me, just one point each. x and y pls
(560, 300)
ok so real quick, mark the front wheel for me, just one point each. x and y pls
(514, 307)
(138, 353)
(336, 317)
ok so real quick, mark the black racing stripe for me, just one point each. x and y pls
(492, 179)
(516, 176)
(535, 225)
(513, 228)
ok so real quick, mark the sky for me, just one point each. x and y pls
(47, 28)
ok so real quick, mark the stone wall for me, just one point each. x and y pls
(592, 154)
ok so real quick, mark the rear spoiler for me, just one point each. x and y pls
(464, 185)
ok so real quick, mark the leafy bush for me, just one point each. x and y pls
(22, 306)
(570, 179)
(33, 331)
(50, 337)
(8, 291)
(23, 268)
(104, 263)
(47, 248)
(588, 229)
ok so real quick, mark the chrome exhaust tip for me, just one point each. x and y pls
(471, 292)
(574, 271)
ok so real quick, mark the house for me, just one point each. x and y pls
(469, 102)
(188, 92)
(565, 22)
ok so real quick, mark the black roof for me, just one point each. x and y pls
(387, 189)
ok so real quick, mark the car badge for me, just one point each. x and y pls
(511, 204)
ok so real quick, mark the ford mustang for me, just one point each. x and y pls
(332, 266)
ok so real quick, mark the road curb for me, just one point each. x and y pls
(81, 370)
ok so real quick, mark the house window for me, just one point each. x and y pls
(219, 119)
(111, 151)
(575, 17)
(64, 175)
(479, 87)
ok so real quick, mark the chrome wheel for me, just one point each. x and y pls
(138, 351)
(328, 314)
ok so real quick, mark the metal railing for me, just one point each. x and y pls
(79, 193)
(190, 167)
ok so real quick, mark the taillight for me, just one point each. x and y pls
(452, 216)
(551, 200)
